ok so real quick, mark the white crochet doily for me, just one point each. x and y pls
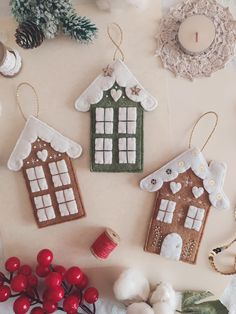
(202, 65)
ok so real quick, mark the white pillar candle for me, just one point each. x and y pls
(196, 34)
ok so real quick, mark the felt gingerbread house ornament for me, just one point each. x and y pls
(116, 101)
(45, 158)
(185, 188)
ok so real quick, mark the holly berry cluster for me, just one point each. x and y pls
(63, 290)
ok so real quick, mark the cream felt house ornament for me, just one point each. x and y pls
(116, 101)
(186, 189)
(44, 156)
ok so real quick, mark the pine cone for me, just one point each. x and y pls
(28, 35)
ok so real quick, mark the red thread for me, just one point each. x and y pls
(105, 244)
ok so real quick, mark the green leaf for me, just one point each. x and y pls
(191, 304)
(191, 297)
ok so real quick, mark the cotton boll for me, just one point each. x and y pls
(163, 308)
(132, 286)
(164, 293)
(139, 308)
(139, 4)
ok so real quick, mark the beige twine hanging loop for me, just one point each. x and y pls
(212, 132)
(18, 99)
(219, 250)
(115, 43)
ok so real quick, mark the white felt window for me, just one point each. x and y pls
(104, 120)
(127, 150)
(37, 179)
(44, 207)
(60, 173)
(103, 151)
(194, 218)
(127, 120)
(67, 203)
(166, 211)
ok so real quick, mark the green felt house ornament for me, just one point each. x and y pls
(116, 101)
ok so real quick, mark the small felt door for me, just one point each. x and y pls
(172, 246)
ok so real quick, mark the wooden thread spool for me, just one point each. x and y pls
(10, 61)
(105, 244)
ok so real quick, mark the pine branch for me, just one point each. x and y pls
(79, 28)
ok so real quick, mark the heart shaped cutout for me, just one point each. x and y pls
(116, 94)
(175, 187)
(42, 154)
(197, 192)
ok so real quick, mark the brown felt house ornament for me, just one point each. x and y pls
(186, 189)
(44, 156)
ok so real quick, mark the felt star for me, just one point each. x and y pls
(108, 71)
(135, 90)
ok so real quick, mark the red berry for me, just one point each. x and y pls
(21, 305)
(55, 294)
(19, 283)
(12, 264)
(71, 304)
(91, 295)
(74, 275)
(5, 293)
(32, 281)
(42, 271)
(25, 270)
(37, 310)
(49, 306)
(45, 257)
(53, 280)
(60, 269)
(84, 283)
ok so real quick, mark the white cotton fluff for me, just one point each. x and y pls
(163, 299)
(109, 5)
(139, 308)
(132, 286)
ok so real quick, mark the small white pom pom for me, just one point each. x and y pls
(139, 308)
(132, 286)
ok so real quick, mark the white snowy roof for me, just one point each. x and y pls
(213, 176)
(34, 129)
(124, 78)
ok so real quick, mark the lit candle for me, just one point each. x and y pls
(196, 34)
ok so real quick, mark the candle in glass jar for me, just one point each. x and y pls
(196, 34)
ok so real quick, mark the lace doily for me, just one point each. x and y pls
(203, 65)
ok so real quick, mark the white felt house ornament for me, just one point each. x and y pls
(116, 101)
(44, 156)
(186, 188)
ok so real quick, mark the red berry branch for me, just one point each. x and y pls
(49, 289)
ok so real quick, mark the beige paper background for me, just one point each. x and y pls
(60, 70)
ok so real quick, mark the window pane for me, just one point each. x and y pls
(63, 210)
(109, 113)
(108, 127)
(31, 174)
(100, 115)
(99, 158)
(132, 114)
(34, 186)
(53, 168)
(57, 181)
(39, 172)
(43, 184)
(100, 127)
(62, 167)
